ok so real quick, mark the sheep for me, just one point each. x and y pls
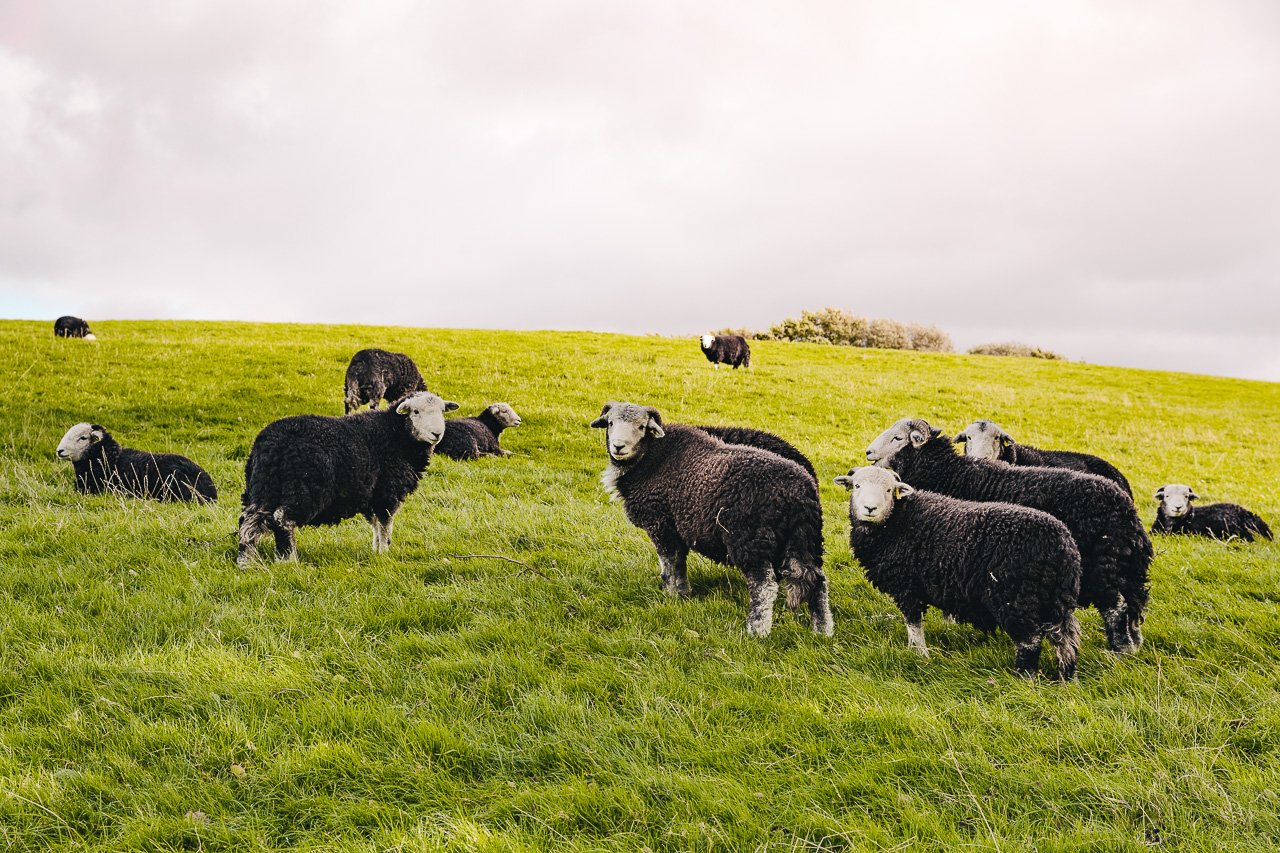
(1115, 551)
(726, 349)
(309, 470)
(72, 327)
(988, 564)
(376, 374)
(736, 505)
(102, 465)
(471, 438)
(763, 440)
(986, 440)
(1219, 521)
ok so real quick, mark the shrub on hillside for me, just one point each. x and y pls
(834, 326)
(1014, 348)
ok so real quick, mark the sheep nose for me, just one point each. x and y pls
(62, 453)
(868, 454)
(617, 446)
(869, 510)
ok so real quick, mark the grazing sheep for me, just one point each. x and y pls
(763, 440)
(375, 374)
(72, 327)
(726, 349)
(1115, 551)
(102, 465)
(1219, 521)
(986, 440)
(736, 505)
(310, 470)
(471, 438)
(989, 564)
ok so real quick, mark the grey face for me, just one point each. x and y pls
(984, 440)
(505, 414)
(75, 445)
(426, 416)
(626, 426)
(908, 431)
(1175, 499)
(872, 493)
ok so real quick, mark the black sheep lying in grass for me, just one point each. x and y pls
(471, 438)
(1219, 521)
(102, 465)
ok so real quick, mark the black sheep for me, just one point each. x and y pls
(1219, 521)
(986, 440)
(1115, 551)
(471, 438)
(376, 374)
(763, 440)
(72, 327)
(726, 349)
(736, 505)
(989, 564)
(309, 470)
(102, 465)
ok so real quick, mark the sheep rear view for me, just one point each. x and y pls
(72, 327)
(736, 505)
(471, 438)
(988, 564)
(376, 374)
(102, 465)
(986, 440)
(765, 441)
(309, 470)
(1176, 515)
(1115, 551)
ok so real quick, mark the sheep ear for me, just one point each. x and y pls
(917, 438)
(1006, 441)
(602, 421)
(901, 490)
(961, 438)
(934, 432)
(655, 422)
(847, 482)
(95, 436)
(1160, 493)
(403, 408)
(450, 406)
(1192, 496)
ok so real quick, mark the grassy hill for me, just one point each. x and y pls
(154, 697)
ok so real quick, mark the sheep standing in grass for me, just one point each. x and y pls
(102, 465)
(736, 505)
(989, 564)
(309, 470)
(471, 438)
(72, 327)
(986, 440)
(726, 349)
(375, 374)
(763, 440)
(1219, 521)
(1115, 551)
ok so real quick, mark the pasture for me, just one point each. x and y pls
(154, 697)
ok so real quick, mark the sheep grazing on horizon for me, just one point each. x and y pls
(471, 438)
(309, 470)
(736, 505)
(1115, 551)
(765, 441)
(72, 327)
(992, 565)
(1224, 521)
(986, 440)
(726, 349)
(102, 465)
(376, 374)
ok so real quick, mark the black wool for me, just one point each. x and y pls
(109, 467)
(471, 438)
(764, 440)
(1217, 521)
(70, 327)
(376, 374)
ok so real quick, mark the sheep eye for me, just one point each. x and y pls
(857, 486)
(897, 438)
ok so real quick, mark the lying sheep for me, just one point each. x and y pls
(375, 374)
(471, 438)
(1115, 551)
(102, 465)
(986, 440)
(726, 349)
(1219, 521)
(736, 505)
(989, 564)
(763, 440)
(72, 327)
(310, 470)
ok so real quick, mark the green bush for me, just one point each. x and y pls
(835, 326)
(1014, 348)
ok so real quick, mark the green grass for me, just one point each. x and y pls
(154, 697)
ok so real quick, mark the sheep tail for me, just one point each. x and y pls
(1064, 638)
(351, 399)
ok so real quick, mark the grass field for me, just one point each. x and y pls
(153, 697)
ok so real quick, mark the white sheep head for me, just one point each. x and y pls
(908, 432)
(984, 440)
(425, 412)
(626, 426)
(873, 492)
(1175, 499)
(79, 440)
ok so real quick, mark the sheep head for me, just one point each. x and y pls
(1175, 499)
(626, 427)
(79, 440)
(425, 415)
(908, 432)
(984, 440)
(505, 415)
(873, 492)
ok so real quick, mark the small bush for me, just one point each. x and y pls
(1014, 348)
(834, 326)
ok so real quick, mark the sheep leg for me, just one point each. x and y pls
(1065, 640)
(672, 557)
(381, 533)
(283, 528)
(253, 524)
(1026, 657)
(809, 586)
(763, 589)
(1115, 621)
(915, 635)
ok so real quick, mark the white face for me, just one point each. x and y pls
(78, 441)
(426, 416)
(873, 492)
(1175, 499)
(896, 437)
(626, 426)
(983, 440)
(505, 414)
(90, 337)
(707, 341)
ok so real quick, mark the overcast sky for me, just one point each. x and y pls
(1101, 179)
